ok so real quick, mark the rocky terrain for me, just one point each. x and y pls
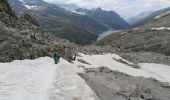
(74, 25)
(60, 22)
(151, 37)
(146, 57)
(21, 38)
(113, 85)
(146, 17)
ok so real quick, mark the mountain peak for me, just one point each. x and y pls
(98, 9)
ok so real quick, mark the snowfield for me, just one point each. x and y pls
(41, 79)
(157, 71)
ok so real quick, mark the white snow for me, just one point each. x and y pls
(80, 13)
(107, 61)
(70, 86)
(160, 28)
(162, 15)
(168, 28)
(30, 7)
(158, 69)
(41, 79)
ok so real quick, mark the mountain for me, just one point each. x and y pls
(139, 17)
(145, 17)
(18, 40)
(54, 19)
(109, 19)
(151, 37)
(21, 38)
(68, 7)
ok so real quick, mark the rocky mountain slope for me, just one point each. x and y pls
(146, 17)
(109, 19)
(56, 20)
(18, 6)
(139, 17)
(69, 6)
(22, 39)
(4, 6)
(151, 37)
(81, 26)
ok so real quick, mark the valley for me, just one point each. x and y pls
(73, 26)
(56, 51)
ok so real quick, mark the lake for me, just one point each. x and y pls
(106, 33)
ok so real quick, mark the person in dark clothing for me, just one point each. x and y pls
(56, 57)
(74, 58)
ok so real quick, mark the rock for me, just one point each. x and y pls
(146, 96)
(82, 61)
(127, 63)
(113, 85)
(146, 57)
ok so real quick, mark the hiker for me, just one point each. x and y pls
(74, 58)
(56, 57)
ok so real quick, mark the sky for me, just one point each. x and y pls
(126, 8)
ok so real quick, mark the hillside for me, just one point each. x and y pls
(54, 19)
(151, 37)
(88, 72)
(146, 17)
(4, 6)
(109, 19)
(21, 38)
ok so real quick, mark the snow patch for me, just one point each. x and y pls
(159, 69)
(108, 61)
(26, 80)
(80, 13)
(69, 85)
(160, 28)
(30, 7)
(41, 79)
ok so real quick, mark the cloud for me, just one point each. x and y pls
(126, 8)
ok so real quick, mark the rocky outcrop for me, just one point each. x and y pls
(4, 6)
(31, 19)
(113, 85)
